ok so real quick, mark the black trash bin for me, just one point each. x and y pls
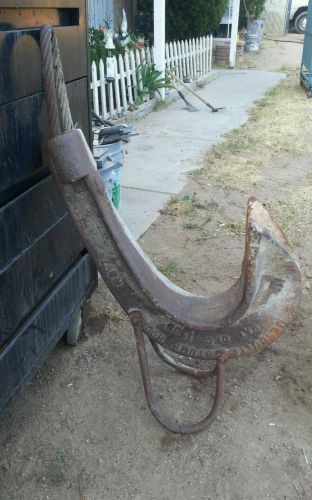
(45, 273)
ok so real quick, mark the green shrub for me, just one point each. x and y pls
(97, 49)
(145, 6)
(188, 19)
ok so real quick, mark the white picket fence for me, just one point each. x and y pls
(114, 99)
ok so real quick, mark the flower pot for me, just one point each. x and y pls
(221, 51)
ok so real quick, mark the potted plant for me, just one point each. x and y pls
(249, 17)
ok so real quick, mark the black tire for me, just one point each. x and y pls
(300, 22)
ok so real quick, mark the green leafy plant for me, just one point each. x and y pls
(150, 81)
(169, 268)
(97, 48)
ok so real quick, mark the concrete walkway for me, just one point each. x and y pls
(172, 142)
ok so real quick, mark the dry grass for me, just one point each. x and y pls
(279, 124)
(187, 205)
(294, 213)
(194, 214)
(279, 127)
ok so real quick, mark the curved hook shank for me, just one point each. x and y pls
(248, 316)
(149, 393)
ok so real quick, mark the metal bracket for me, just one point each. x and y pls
(218, 372)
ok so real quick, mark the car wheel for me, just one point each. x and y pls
(301, 22)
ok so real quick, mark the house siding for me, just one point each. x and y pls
(104, 10)
(130, 7)
(100, 11)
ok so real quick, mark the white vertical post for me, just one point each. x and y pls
(235, 14)
(123, 84)
(95, 88)
(210, 52)
(116, 88)
(134, 76)
(103, 90)
(128, 77)
(159, 37)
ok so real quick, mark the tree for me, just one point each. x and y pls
(254, 9)
(145, 6)
(189, 18)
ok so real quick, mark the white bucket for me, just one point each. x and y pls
(251, 42)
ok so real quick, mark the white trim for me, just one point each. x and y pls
(160, 37)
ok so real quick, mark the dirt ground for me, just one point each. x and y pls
(81, 430)
(277, 53)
